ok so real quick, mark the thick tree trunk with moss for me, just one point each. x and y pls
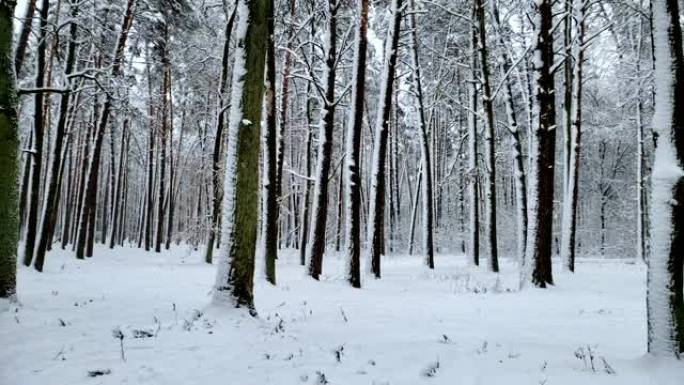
(9, 161)
(665, 297)
(235, 275)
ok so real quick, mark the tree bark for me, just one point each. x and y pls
(235, 276)
(216, 155)
(325, 145)
(665, 298)
(9, 165)
(382, 127)
(353, 150)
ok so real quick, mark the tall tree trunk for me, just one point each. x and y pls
(54, 181)
(9, 166)
(519, 173)
(569, 221)
(473, 174)
(426, 161)
(665, 298)
(235, 275)
(376, 233)
(216, 155)
(325, 145)
(164, 132)
(490, 141)
(352, 158)
(38, 133)
(540, 237)
(271, 207)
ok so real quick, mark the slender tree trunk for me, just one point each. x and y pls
(519, 173)
(382, 127)
(473, 174)
(38, 134)
(271, 207)
(426, 161)
(353, 150)
(490, 141)
(325, 146)
(54, 181)
(116, 223)
(216, 155)
(569, 226)
(163, 135)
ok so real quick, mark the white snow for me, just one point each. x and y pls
(396, 328)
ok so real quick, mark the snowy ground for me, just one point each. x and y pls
(454, 325)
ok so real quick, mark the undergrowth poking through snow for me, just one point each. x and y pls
(448, 326)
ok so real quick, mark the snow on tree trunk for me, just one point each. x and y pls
(352, 160)
(426, 161)
(569, 219)
(216, 154)
(376, 222)
(489, 140)
(235, 273)
(542, 156)
(319, 212)
(665, 302)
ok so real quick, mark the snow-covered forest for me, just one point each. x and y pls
(341, 192)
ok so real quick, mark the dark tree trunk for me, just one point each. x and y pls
(325, 145)
(271, 218)
(382, 127)
(216, 155)
(490, 141)
(428, 203)
(38, 133)
(353, 151)
(542, 240)
(54, 182)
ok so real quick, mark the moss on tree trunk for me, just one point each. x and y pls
(9, 166)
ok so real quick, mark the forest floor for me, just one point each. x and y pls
(454, 325)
